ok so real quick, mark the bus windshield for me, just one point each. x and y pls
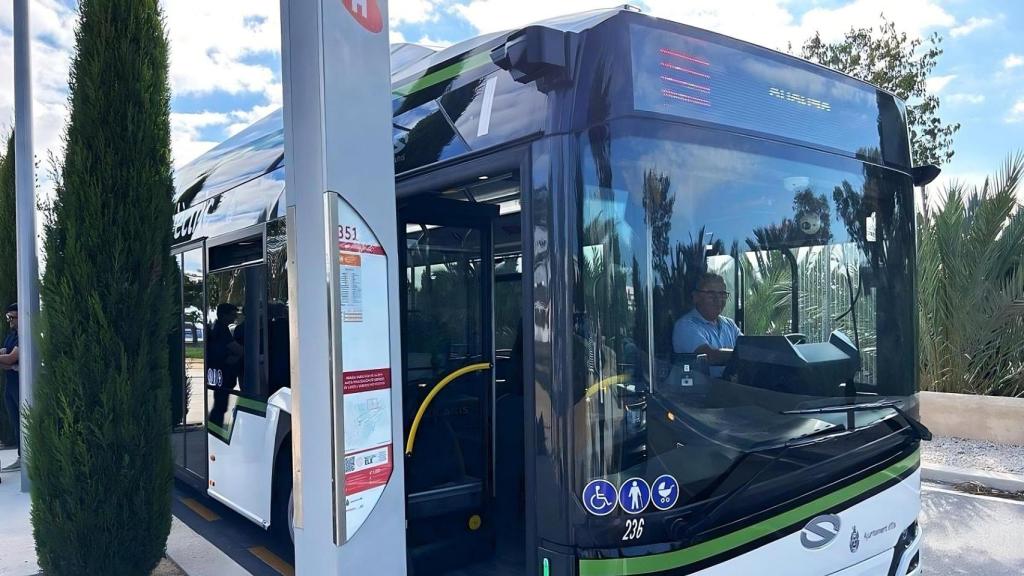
(724, 283)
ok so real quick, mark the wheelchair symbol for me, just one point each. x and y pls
(599, 497)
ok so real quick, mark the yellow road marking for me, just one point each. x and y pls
(203, 511)
(273, 560)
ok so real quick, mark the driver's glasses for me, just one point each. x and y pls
(715, 294)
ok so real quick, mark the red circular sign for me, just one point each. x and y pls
(366, 12)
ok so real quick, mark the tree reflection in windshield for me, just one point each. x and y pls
(805, 242)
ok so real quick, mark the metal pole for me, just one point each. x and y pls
(315, 551)
(28, 264)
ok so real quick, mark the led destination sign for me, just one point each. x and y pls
(752, 89)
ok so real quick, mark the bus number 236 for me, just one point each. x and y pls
(634, 529)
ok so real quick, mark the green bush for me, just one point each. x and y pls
(100, 454)
(971, 288)
(8, 260)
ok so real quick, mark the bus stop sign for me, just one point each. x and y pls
(367, 13)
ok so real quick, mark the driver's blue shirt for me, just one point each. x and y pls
(692, 331)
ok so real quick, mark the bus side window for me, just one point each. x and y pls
(278, 346)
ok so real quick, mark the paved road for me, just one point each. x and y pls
(250, 546)
(971, 535)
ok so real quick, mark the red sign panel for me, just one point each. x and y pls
(368, 469)
(366, 381)
(367, 13)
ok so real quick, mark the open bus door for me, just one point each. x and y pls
(456, 495)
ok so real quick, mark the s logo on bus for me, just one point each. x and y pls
(820, 531)
(367, 13)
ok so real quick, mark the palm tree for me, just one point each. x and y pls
(971, 287)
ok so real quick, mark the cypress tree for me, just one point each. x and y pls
(8, 260)
(99, 446)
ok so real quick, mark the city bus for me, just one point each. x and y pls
(571, 195)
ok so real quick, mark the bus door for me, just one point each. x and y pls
(448, 349)
(188, 367)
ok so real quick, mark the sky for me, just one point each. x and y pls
(225, 58)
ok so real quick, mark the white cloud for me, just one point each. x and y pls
(915, 17)
(52, 37)
(185, 133)
(241, 119)
(1013, 61)
(494, 15)
(971, 25)
(188, 129)
(961, 98)
(936, 84)
(1016, 113)
(434, 43)
(954, 177)
(411, 11)
(215, 46)
(767, 22)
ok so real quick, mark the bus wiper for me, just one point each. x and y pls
(714, 512)
(920, 430)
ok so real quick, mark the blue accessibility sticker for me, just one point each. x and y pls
(599, 497)
(634, 495)
(666, 492)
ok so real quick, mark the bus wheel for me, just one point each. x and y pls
(283, 504)
(291, 515)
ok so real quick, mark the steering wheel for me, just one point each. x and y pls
(796, 338)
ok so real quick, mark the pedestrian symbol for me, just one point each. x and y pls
(666, 492)
(599, 497)
(634, 495)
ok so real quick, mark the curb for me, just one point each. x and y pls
(951, 475)
(196, 556)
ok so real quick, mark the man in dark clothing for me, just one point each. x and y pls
(223, 360)
(12, 396)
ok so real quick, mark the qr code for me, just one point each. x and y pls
(350, 464)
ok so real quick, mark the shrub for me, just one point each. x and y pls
(8, 259)
(971, 288)
(99, 447)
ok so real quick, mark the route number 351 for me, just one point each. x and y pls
(634, 529)
(348, 233)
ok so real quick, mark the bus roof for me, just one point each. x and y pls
(423, 79)
(259, 149)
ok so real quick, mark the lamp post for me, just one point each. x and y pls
(28, 264)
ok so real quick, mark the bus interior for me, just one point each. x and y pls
(462, 301)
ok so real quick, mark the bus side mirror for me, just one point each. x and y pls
(924, 175)
(537, 52)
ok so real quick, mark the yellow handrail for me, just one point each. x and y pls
(434, 392)
(607, 382)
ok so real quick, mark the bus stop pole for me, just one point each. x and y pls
(339, 165)
(25, 215)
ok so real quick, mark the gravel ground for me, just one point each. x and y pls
(168, 568)
(974, 454)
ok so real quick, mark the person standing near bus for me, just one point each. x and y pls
(12, 396)
(704, 330)
(224, 360)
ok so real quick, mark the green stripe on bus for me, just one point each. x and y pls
(252, 404)
(705, 550)
(248, 403)
(221, 433)
(446, 73)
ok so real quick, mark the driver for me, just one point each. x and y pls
(704, 330)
